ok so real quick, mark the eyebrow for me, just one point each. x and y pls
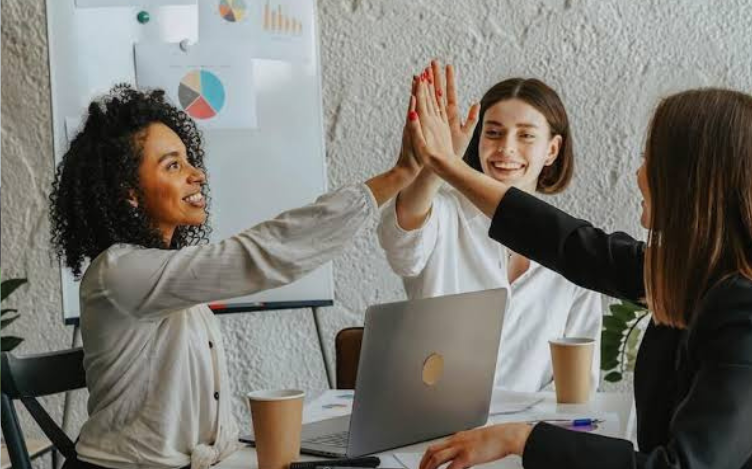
(522, 124)
(172, 154)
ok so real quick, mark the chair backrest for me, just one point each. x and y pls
(347, 349)
(25, 379)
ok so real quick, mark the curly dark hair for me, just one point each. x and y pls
(89, 208)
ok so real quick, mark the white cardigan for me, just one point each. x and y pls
(159, 394)
(452, 253)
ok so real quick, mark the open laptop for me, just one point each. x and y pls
(426, 370)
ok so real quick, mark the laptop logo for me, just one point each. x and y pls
(433, 369)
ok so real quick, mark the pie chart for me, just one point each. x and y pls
(201, 94)
(232, 10)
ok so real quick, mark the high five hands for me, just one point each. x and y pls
(437, 132)
(438, 139)
(428, 88)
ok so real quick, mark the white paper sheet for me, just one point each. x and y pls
(608, 426)
(412, 461)
(212, 81)
(332, 403)
(267, 29)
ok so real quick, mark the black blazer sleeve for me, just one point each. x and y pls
(608, 263)
(711, 427)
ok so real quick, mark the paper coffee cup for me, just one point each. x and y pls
(572, 359)
(277, 422)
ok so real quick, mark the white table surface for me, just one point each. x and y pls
(617, 405)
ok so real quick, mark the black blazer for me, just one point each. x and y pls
(693, 387)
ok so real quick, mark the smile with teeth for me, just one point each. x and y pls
(509, 166)
(196, 199)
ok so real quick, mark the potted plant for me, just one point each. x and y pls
(9, 315)
(620, 339)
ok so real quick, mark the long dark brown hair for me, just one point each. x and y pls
(699, 171)
(556, 177)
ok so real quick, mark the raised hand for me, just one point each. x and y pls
(408, 161)
(462, 132)
(430, 131)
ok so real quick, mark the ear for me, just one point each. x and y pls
(553, 150)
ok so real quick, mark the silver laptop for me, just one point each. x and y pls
(426, 370)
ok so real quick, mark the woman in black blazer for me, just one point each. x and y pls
(693, 376)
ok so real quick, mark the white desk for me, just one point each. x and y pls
(616, 404)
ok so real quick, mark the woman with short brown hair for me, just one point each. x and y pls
(438, 242)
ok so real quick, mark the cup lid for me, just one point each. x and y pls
(572, 341)
(275, 394)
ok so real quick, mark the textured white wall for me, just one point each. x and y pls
(609, 59)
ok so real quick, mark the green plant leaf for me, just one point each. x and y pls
(9, 286)
(624, 313)
(610, 340)
(10, 342)
(608, 354)
(614, 323)
(631, 360)
(6, 311)
(613, 377)
(633, 341)
(609, 365)
(612, 337)
(7, 322)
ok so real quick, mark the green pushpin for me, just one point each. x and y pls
(143, 17)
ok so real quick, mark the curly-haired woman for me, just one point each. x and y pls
(130, 198)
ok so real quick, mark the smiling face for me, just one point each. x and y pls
(170, 185)
(516, 144)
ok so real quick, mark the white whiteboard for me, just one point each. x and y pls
(253, 174)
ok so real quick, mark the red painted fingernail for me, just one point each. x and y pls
(412, 115)
(438, 92)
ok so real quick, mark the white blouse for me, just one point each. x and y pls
(159, 394)
(452, 253)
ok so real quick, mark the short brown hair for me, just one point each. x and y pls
(699, 171)
(556, 177)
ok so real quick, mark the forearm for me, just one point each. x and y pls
(388, 184)
(484, 192)
(414, 202)
(268, 255)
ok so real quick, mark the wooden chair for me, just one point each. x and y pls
(347, 348)
(26, 379)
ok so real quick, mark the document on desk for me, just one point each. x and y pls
(412, 461)
(608, 424)
(332, 403)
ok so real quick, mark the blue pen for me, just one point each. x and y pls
(585, 422)
(570, 423)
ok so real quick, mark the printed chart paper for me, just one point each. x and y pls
(211, 81)
(268, 29)
(131, 3)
